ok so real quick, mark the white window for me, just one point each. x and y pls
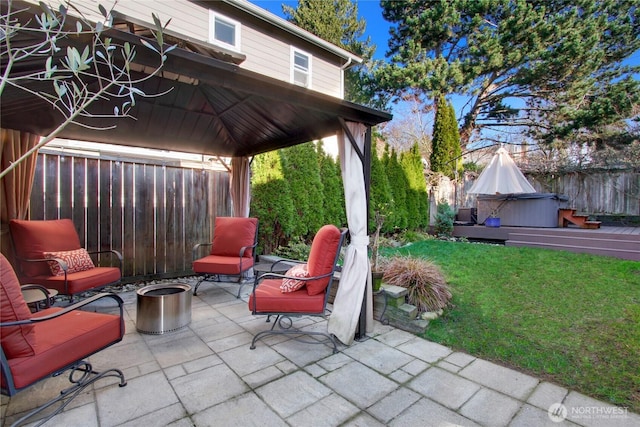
(300, 68)
(224, 31)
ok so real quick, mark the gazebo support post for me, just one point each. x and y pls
(361, 331)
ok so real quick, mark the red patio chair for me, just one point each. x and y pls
(232, 250)
(49, 253)
(50, 342)
(302, 291)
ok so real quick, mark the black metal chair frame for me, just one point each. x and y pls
(87, 375)
(281, 317)
(215, 277)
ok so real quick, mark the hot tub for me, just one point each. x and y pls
(522, 210)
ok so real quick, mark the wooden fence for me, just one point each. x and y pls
(152, 213)
(603, 193)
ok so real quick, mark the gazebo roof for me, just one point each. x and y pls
(212, 107)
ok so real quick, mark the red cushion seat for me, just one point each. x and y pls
(80, 281)
(219, 264)
(270, 299)
(62, 341)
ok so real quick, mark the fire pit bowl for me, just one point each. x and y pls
(163, 308)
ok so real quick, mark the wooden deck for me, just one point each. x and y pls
(619, 242)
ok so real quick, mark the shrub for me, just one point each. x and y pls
(411, 236)
(425, 283)
(295, 249)
(444, 219)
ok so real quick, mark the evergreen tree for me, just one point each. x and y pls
(445, 145)
(271, 201)
(439, 157)
(333, 189)
(399, 187)
(380, 198)
(413, 198)
(561, 60)
(418, 184)
(455, 151)
(303, 176)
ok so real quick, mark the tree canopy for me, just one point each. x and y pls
(550, 67)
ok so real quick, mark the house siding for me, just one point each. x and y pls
(265, 55)
(267, 48)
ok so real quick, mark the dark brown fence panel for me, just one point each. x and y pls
(151, 213)
(52, 190)
(105, 175)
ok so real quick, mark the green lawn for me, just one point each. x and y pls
(573, 319)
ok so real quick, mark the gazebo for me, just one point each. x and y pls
(214, 108)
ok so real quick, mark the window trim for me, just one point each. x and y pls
(212, 30)
(295, 50)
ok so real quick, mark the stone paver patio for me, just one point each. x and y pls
(206, 375)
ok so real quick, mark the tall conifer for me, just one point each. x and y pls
(303, 176)
(271, 201)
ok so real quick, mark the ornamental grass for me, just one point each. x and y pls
(425, 283)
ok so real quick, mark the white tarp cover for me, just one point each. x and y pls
(356, 272)
(502, 176)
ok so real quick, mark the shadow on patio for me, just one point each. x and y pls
(206, 375)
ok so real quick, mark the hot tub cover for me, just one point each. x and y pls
(502, 176)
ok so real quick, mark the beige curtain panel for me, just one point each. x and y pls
(15, 187)
(240, 186)
(356, 271)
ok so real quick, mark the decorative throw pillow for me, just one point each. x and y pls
(291, 285)
(77, 260)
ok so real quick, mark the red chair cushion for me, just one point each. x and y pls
(64, 340)
(231, 233)
(270, 299)
(216, 264)
(17, 341)
(322, 256)
(80, 281)
(32, 238)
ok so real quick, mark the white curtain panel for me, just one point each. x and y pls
(356, 272)
(240, 186)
